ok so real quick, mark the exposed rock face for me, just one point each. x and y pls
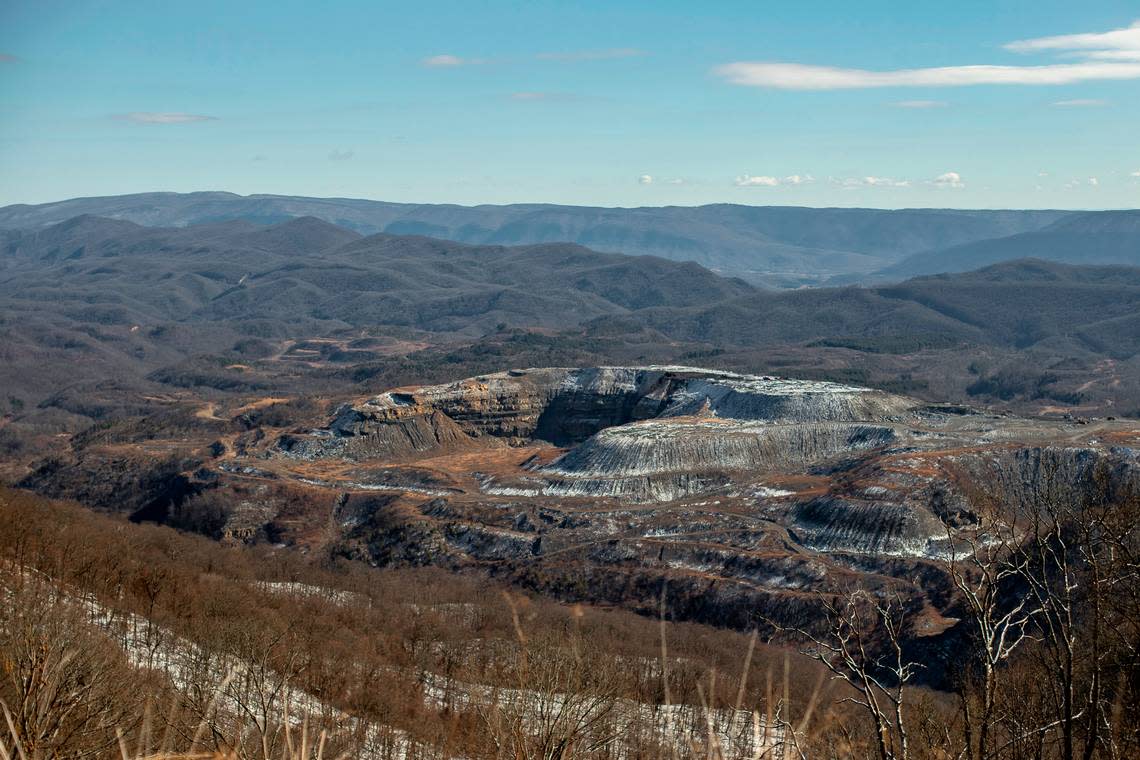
(885, 475)
(664, 459)
(830, 523)
(566, 406)
(685, 445)
(392, 435)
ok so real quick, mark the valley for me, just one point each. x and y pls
(748, 500)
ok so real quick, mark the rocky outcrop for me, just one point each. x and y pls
(756, 482)
(865, 526)
(686, 445)
(567, 406)
(399, 436)
(668, 458)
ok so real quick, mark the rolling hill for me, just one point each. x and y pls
(99, 314)
(783, 246)
(307, 271)
(1100, 237)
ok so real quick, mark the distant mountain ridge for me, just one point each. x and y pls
(308, 270)
(231, 304)
(305, 275)
(1100, 238)
(771, 245)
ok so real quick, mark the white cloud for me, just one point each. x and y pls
(796, 76)
(1042, 174)
(1073, 184)
(159, 117)
(450, 61)
(645, 179)
(1135, 174)
(591, 55)
(920, 104)
(886, 182)
(852, 183)
(1118, 44)
(747, 180)
(949, 179)
(1113, 55)
(1081, 103)
(675, 181)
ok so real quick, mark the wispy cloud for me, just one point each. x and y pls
(451, 61)
(951, 180)
(871, 181)
(1081, 103)
(645, 179)
(748, 180)
(591, 55)
(9, 58)
(341, 155)
(1115, 45)
(796, 76)
(448, 60)
(163, 117)
(920, 104)
(1113, 55)
(1135, 174)
(886, 182)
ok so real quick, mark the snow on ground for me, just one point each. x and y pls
(293, 588)
(254, 694)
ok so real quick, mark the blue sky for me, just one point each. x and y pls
(598, 103)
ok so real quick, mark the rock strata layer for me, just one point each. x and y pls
(566, 406)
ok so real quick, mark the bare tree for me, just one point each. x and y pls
(563, 703)
(982, 566)
(65, 689)
(862, 646)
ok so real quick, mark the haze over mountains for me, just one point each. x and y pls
(771, 245)
(315, 275)
(1100, 237)
(312, 273)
